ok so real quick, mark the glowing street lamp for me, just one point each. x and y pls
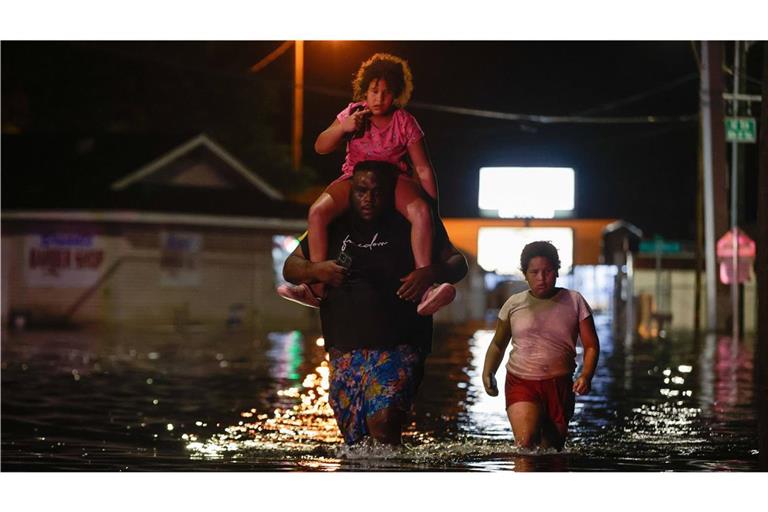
(298, 93)
(298, 103)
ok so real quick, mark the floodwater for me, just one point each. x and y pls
(234, 401)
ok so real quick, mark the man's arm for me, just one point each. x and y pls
(452, 266)
(298, 269)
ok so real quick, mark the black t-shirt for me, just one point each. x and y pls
(365, 312)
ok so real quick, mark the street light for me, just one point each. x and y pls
(298, 103)
(298, 93)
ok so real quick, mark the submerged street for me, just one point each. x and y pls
(122, 400)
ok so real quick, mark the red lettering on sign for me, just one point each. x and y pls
(89, 258)
(49, 258)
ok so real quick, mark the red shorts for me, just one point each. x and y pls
(555, 396)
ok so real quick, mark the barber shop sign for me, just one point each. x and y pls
(62, 260)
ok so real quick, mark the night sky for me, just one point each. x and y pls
(644, 173)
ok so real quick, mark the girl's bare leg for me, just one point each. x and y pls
(412, 205)
(525, 418)
(551, 436)
(326, 208)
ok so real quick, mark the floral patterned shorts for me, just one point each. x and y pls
(364, 381)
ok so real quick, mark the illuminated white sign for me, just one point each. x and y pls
(498, 249)
(537, 192)
(282, 247)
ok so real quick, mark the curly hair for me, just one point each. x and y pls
(540, 248)
(391, 68)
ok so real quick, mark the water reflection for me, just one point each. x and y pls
(488, 413)
(287, 352)
(301, 427)
(126, 401)
(306, 433)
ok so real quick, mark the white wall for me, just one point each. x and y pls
(235, 268)
(682, 296)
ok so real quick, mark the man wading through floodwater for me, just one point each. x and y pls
(376, 340)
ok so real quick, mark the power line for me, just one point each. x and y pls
(271, 57)
(531, 118)
(542, 119)
(450, 109)
(637, 97)
(696, 56)
(753, 80)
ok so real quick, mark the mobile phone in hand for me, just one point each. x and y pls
(345, 260)
(363, 127)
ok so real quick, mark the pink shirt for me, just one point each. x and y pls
(544, 333)
(389, 144)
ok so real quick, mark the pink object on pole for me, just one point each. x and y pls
(746, 250)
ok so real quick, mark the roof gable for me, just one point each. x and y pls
(200, 175)
(199, 162)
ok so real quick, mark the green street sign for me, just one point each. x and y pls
(740, 129)
(659, 245)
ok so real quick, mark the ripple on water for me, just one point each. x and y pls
(306, 434)
(667, 405)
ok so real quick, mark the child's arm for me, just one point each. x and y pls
(588, 334)
(423, 167)
(331, 137)
(495, 354)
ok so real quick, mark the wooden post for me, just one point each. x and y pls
(715, 177)
(761, 268)
(719, 166)
(699, 245)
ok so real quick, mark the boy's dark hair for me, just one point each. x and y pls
(391, 68)
(540, 248)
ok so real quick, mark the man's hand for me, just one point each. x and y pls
(416, 283)
(329, 272)
(489, 382)
(582, 385)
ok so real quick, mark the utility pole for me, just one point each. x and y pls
(297, 128)
(713, 146)
(735, 199)
(761, 266)
(699, 242)
(709, 206)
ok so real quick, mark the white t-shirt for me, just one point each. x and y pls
(544, 333)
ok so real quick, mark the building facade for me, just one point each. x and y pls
(192, 238)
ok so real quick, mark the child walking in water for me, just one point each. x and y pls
(376, 127)
(544, 324)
